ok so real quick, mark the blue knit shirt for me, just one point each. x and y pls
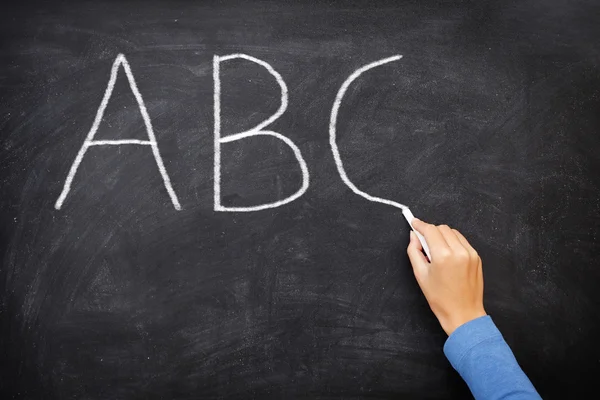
(479, 353)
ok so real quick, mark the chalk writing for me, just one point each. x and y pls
(332, 132)
(89, 140)
(256, 131)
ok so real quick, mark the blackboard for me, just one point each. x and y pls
(489, 122)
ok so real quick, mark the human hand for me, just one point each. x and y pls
(453, 281)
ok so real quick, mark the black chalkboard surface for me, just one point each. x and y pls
(138, 258)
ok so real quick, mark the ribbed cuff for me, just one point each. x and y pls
(467, 336)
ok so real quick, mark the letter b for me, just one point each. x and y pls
(256, 131)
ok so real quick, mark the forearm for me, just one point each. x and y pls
(479, 353)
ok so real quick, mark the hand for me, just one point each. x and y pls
(453, 281)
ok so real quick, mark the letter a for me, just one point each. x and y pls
(332, 132)
(256, 131)
(89, 140)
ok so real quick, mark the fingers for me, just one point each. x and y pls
(417, 259)
(462, 239)
(433, 236)
(414, 238)
(465, 243)
(451, 238)
(444, 240)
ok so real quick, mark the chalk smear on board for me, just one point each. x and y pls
(332, 132)
(89, 140)
(256, 131)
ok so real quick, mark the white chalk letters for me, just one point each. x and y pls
(89, 140)
(332, 132)
(219, 140)
(256, 131)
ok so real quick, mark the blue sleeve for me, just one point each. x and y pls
(479, 353)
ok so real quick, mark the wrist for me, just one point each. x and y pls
(452, 322)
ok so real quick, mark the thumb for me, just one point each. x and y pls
(417, 259)
(419, 225)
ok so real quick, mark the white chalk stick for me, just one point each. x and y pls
(409, 217)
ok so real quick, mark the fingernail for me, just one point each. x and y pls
(412, 236)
